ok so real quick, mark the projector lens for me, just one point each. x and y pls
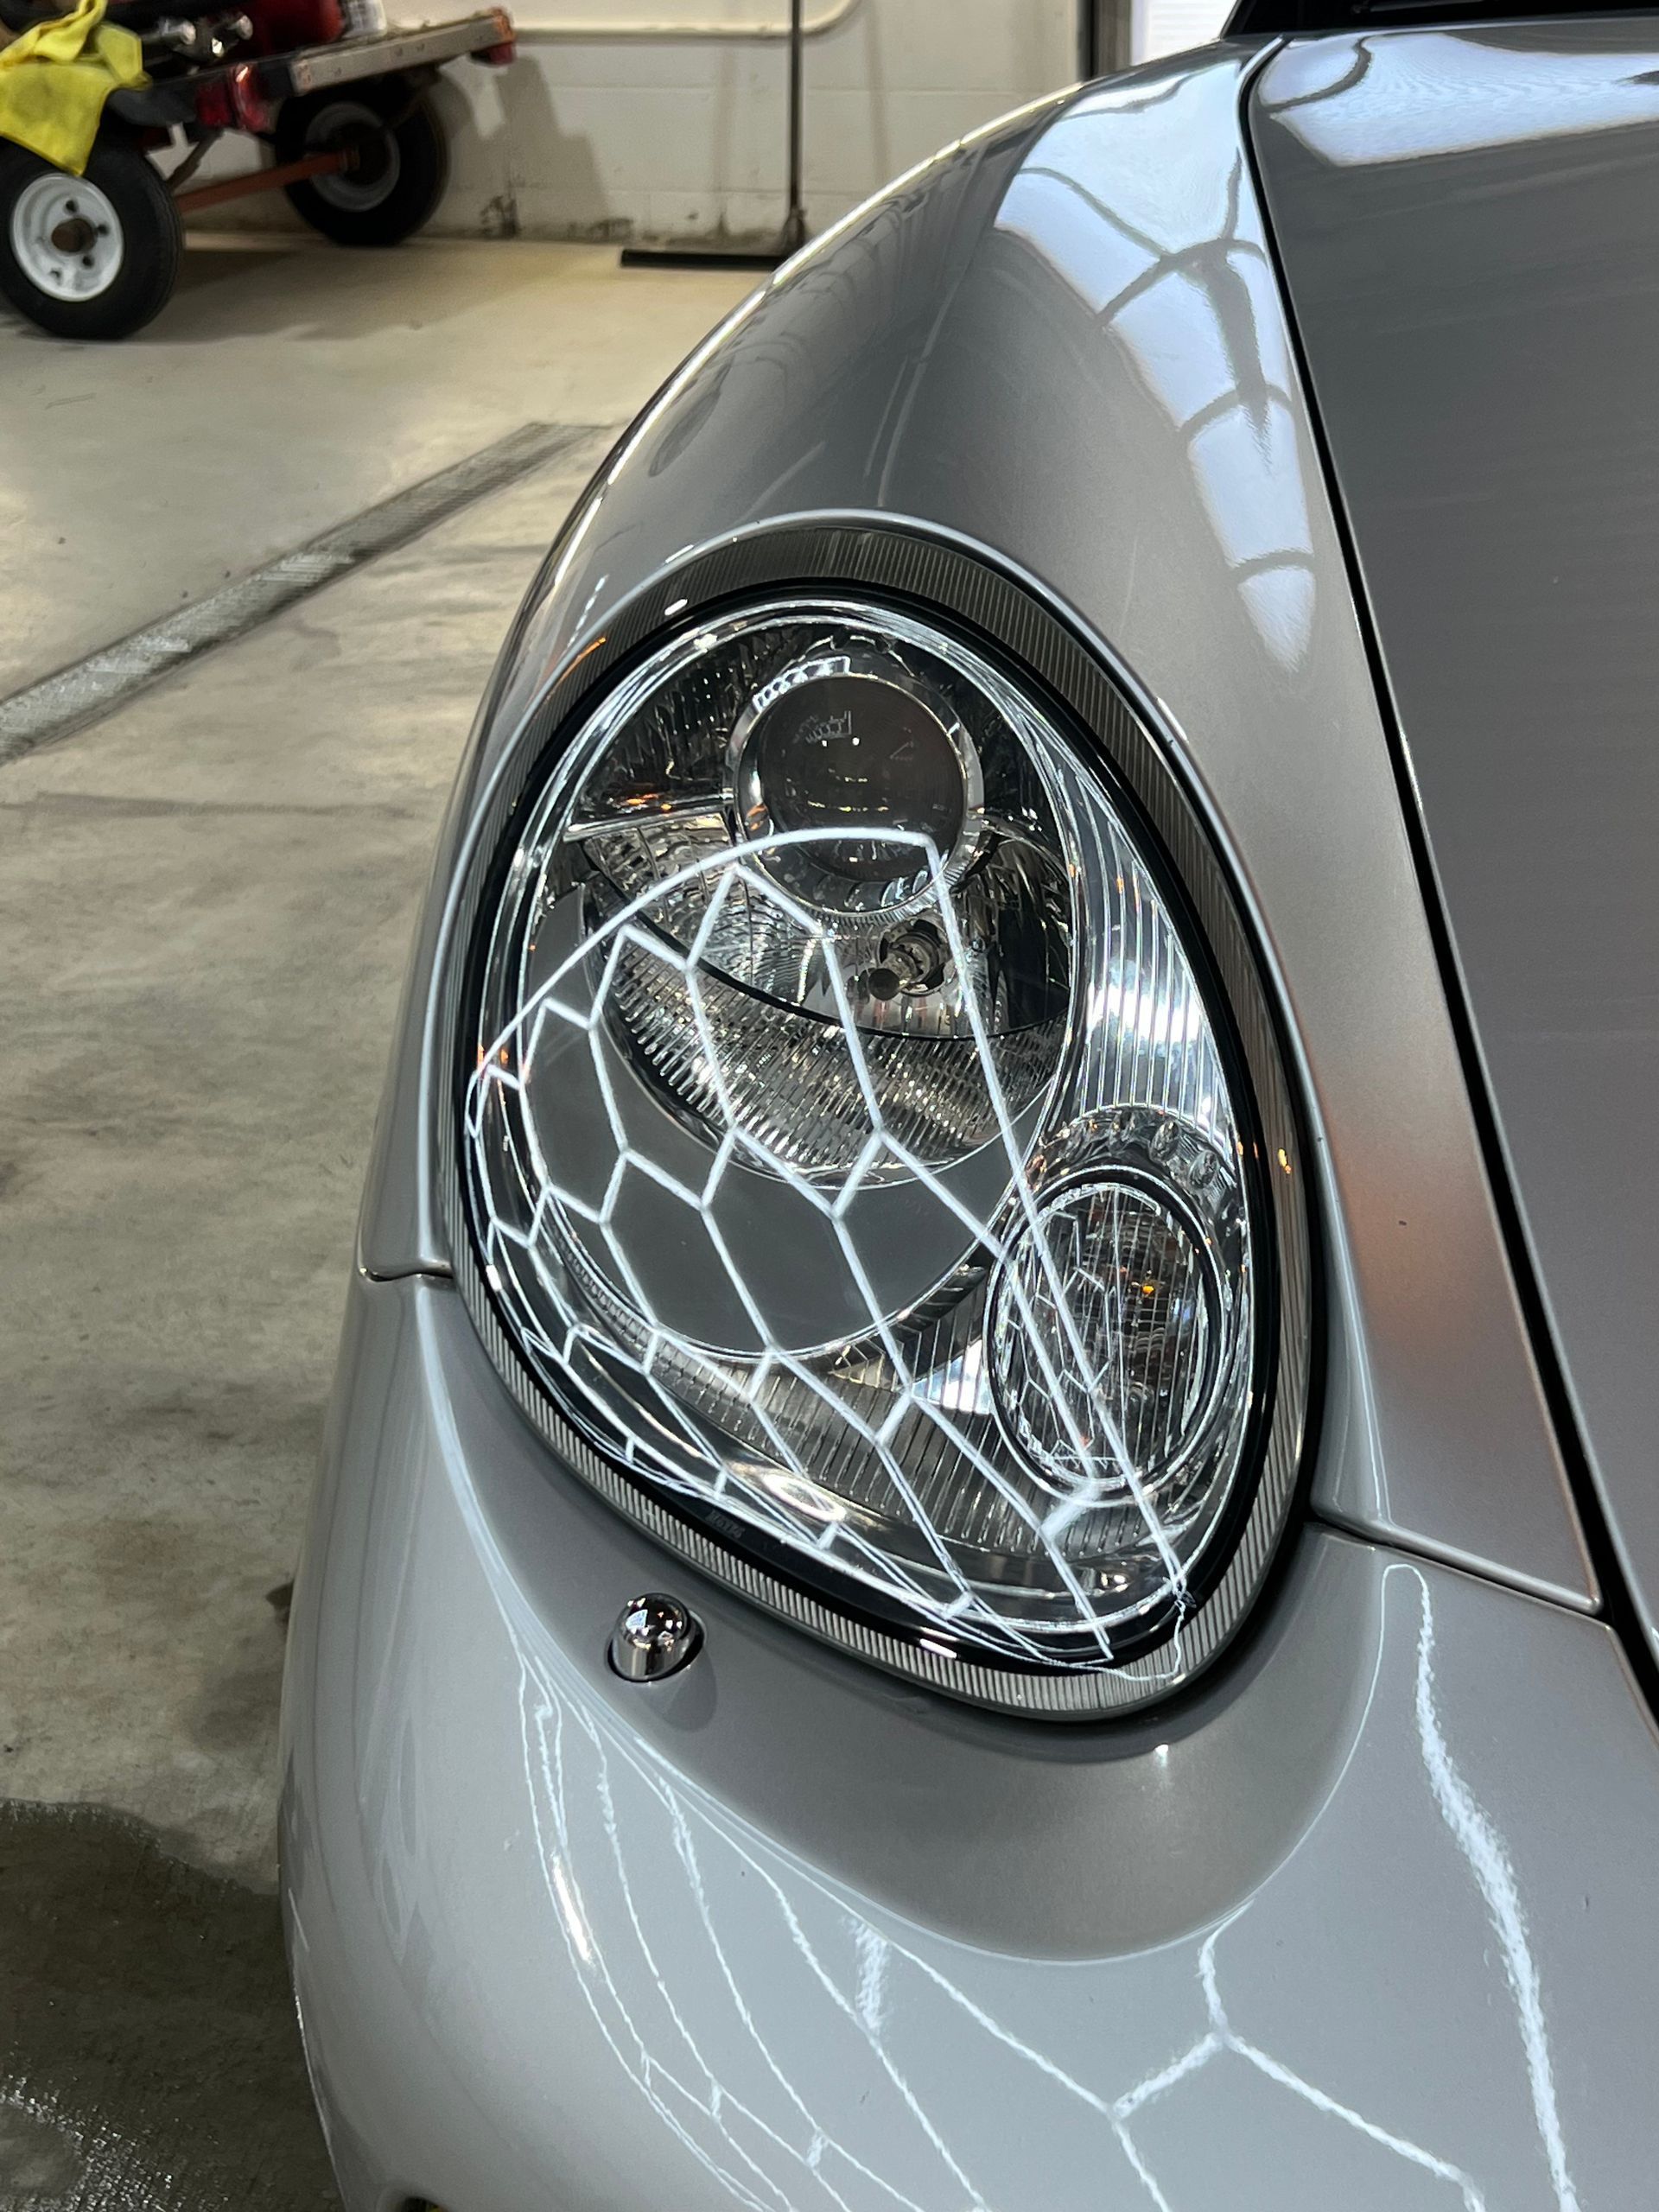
(836, 753)
(841, 743)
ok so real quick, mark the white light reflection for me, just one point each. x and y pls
(1437, 92)
(1156, 1048)
(723, 1994)
(1174, 264)
(1489, 1862)
(570, 1913)
(1221, 2036)
(679, 2083)
(1480, 1845)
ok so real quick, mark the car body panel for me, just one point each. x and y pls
(1063, 344)
(1363, 1918)
(781, 1931)
(1470, 224)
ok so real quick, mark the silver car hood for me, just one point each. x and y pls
(1469, 225)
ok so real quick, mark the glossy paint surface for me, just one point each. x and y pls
(1470, 227)
(1064, 344)
(1365, 1921)
(760, 1936)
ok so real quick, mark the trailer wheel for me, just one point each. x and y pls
(399, 160)
(86, 257)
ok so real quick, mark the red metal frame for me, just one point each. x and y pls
(271, 179)
(245, 95)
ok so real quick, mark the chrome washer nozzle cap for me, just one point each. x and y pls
(655, 1636)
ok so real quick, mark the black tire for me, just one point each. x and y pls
(400, 160)
(126, 222)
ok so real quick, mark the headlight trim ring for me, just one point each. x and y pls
(885, 563)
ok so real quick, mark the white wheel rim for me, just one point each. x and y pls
(66, 237)
(353, 193)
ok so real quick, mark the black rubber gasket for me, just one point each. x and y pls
(877, 562)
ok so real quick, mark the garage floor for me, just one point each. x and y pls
(205, 902)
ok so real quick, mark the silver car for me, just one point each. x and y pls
(989, 1539)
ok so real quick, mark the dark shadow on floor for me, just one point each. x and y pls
(304, 285)
(202, 266)
(149, 2060)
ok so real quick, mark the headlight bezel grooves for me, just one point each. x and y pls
(877, 563)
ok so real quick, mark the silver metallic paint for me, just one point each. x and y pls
(1470, 227)
(1063, 344)
(780, 1932)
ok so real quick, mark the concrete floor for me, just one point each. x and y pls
(286, 386)
(205, 903)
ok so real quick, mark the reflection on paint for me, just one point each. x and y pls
(1171, 259)
(802, 2046)
(1220, 2038)
(1489, 1862)
(1377, 100)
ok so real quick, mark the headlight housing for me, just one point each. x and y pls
(858, 1149)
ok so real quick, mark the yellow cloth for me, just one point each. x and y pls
(55, 77)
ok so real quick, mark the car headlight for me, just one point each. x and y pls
(858, 1149)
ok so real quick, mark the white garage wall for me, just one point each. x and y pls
(1158, 27)
(620, 137)
(628, 138)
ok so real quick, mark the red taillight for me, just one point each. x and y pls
(234, 101)
(253, 111)
(215, 111)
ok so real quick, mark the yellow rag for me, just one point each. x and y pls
(55, 77)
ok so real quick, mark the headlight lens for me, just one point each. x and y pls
(851, 1143)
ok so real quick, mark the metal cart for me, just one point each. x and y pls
(358, 146)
